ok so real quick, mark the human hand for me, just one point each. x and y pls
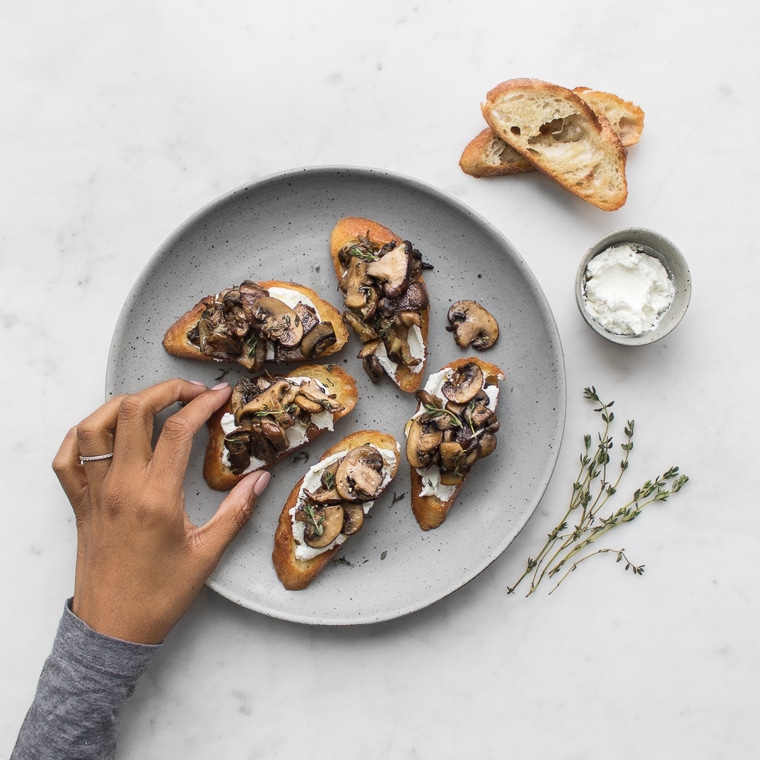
(140, 561)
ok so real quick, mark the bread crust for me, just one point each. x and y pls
(592, 167)
(487, 155)
(177, 343)
(296, 574)
(430, 511)
(347, 231)
(336, 380)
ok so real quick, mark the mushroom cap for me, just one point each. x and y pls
(360, 474)
(464, 384)
(473, 325)
(279, 323)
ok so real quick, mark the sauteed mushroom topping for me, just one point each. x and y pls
(385, 298)
(241, 323)
(336, 506)
(472, 325)
(264, 410)
(452, 431)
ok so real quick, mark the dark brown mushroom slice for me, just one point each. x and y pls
(354, 283)
(244, 390)
(360, 474)
(472, 325)
(323, 496)
(392, 269)
(273, 399)
(308, 316)
(330, 525)
(373, 368)
(423, 439)
(486, 445)
(318, 340)
(464, 383)
(237, 442)
(365, 332)
(214, 338)
(275, 435)
(278, 322)
(415, 298)
(353, 518)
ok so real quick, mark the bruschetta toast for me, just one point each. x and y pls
(255, 323)
(455, 425)
(385, 297)
(268, 417)
(330, 503)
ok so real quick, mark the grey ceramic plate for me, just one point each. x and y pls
(278, 228)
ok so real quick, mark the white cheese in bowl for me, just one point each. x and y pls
(626, 290)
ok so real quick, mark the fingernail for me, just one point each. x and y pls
(220, 386)
(197, 382)
(261, 483)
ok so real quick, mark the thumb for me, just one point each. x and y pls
(234, 512)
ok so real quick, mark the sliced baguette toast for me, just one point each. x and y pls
(388, 308)
(559, 133)
(222, 468)
(250, 335)
(446, 436)
(487, 155)
(305, 511)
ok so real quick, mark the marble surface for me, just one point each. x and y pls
(119, 120)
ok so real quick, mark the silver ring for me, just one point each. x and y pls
(97, 458)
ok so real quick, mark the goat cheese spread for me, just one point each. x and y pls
(416, 349)
(626, 290)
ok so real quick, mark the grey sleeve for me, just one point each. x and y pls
(82, 687)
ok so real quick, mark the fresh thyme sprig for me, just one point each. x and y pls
(591, 492)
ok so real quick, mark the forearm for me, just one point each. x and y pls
(82, 688)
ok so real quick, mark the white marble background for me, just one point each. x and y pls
(119, 119)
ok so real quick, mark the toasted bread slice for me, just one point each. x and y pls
(382, 311)
(296, 563)
(446, 436)
(487, 155)
(253, 348)
(558, 132)
(219, 469)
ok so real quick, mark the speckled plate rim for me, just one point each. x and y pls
(318, 196)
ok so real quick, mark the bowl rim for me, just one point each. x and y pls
(663, 249)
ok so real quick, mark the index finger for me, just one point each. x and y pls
(172, 451)
(137, 411)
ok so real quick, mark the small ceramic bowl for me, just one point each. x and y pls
(671, 258)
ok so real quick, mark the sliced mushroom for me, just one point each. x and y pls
(360, 327)
(414, 298)
(354, 282)
(279, 323)
(237, 443)
(275, 434)
(325, 526)
(464, 384)
(486, 445)
(273, 399)
(360, 474)
(392, 269)
(423, 439)
(353, 518)
(472, 325)
(452, 456)
(372, 367)
(318, 340)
